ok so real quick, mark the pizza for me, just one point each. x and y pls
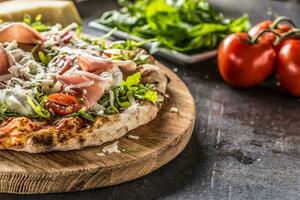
(62, 90)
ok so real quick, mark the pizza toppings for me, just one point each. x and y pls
(62, 104)
(60, 64)
(68, 75)
(90, 89)
(96, 66)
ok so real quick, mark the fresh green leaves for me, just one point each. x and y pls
(37, 103)
(132, 81)
(83, 113)
(38, 108)
(36, 23)
(130, 90)
(3, 111)
(188, 26)
(151, 96)
(44, 58)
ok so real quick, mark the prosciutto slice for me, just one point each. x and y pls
(98, 66)
(91, 93)
(21, 33)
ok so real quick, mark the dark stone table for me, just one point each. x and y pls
(246, 143)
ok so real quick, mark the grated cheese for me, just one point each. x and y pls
(174, 110)
(112, 148)
(133, 137)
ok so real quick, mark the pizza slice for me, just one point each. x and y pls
(61, 90)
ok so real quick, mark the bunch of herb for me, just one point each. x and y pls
(187, 26)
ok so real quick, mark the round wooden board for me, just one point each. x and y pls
(159, 142)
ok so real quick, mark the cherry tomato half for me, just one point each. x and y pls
(62, 104)
(288, 66)
(269, 37)
(242, 64)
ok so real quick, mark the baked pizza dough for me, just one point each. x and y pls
(38, 135)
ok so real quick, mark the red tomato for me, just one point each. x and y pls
(62, 104)
(288, 66)
(61, 63)
(242, 64)
(269, 37)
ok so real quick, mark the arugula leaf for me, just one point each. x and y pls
(131, 89)
(141, 59)
(3, 110)
(38, 107)
(84, 114)
(132, 80)
(151, 96)
(45, 59)
(37, 103)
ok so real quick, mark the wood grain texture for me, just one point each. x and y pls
(159, 142)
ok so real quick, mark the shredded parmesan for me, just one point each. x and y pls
(174, 110)
(133, 137)
(112, 148)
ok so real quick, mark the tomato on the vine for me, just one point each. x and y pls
(62, 104)
(288, 66)
(243, 63)
(265, 25)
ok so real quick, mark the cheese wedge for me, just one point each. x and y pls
(53, 11)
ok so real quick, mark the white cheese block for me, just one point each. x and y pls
(53, 11)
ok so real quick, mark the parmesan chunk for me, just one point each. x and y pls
(112, 148)
(63, 12)
(174, 110)
(133, 137)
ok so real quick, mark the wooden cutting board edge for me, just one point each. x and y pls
(95, 176)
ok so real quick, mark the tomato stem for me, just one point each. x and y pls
(294, 33)
(281, 19)
(255, 39)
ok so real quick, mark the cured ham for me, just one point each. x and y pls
(4, 62)
(98, 66)
(92, 89)
(126, 66)
(21, 33)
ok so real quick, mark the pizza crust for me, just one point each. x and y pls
(68, 134)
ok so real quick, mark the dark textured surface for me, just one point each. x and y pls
(245, 144)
